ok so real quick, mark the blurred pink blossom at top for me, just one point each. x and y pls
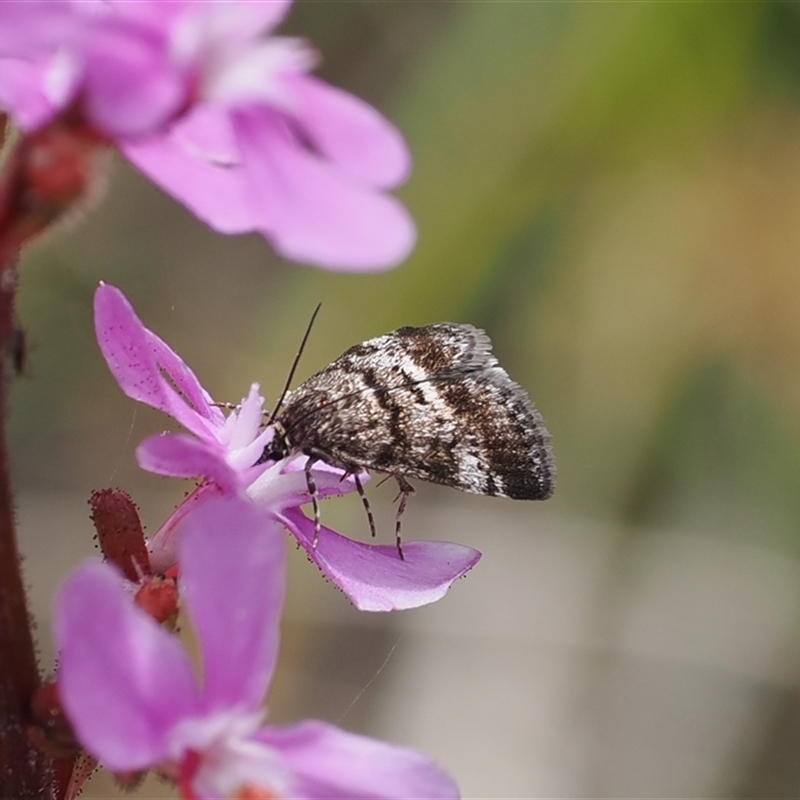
(221, 114)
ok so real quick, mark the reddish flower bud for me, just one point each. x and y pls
(119, 532)
(158, 596)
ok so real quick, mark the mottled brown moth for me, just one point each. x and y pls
(430, 403)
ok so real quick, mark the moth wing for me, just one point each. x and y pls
(430, 403)
(412, 355)
(478, 432)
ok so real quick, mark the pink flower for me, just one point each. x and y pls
(224, 450)
(221, 115)
(130, 691)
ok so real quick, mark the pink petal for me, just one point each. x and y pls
(260, 16)
(240, 21)
(156, 13)
(171, 366)
(124, 681)
(179, 162)
(331, 764)
(180, 456)
(237, 17)
(34, 27)
(284, 485)
(272, 13)
(163, 546)
(136, 358)
(308, 208)
(207, 134)
(312, 211)
(350, 132)
(22, 93)
(233, 564)
(130, 86)
(373, 576)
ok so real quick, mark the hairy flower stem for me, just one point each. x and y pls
(25, 771)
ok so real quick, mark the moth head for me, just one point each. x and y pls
(278, 448)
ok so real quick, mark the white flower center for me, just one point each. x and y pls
(241, 435)
(234, 62)
(230, 760)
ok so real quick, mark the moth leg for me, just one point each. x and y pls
(365, 501)
(227, 406)
(406, 490)
(312, 490)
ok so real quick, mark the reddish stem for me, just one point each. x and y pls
(25, 772)
(45, 175)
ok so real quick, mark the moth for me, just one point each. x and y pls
(429, 403)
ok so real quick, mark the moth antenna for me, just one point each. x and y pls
(294, 365)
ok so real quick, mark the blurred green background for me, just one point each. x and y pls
(612, 190)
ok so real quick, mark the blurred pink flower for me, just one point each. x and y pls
(221, 115)
(224, 450)
(130, 691)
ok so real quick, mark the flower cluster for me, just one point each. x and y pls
(225, 116)
(224, 451)
(126, 683)
(136, 704)
(218, 112)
